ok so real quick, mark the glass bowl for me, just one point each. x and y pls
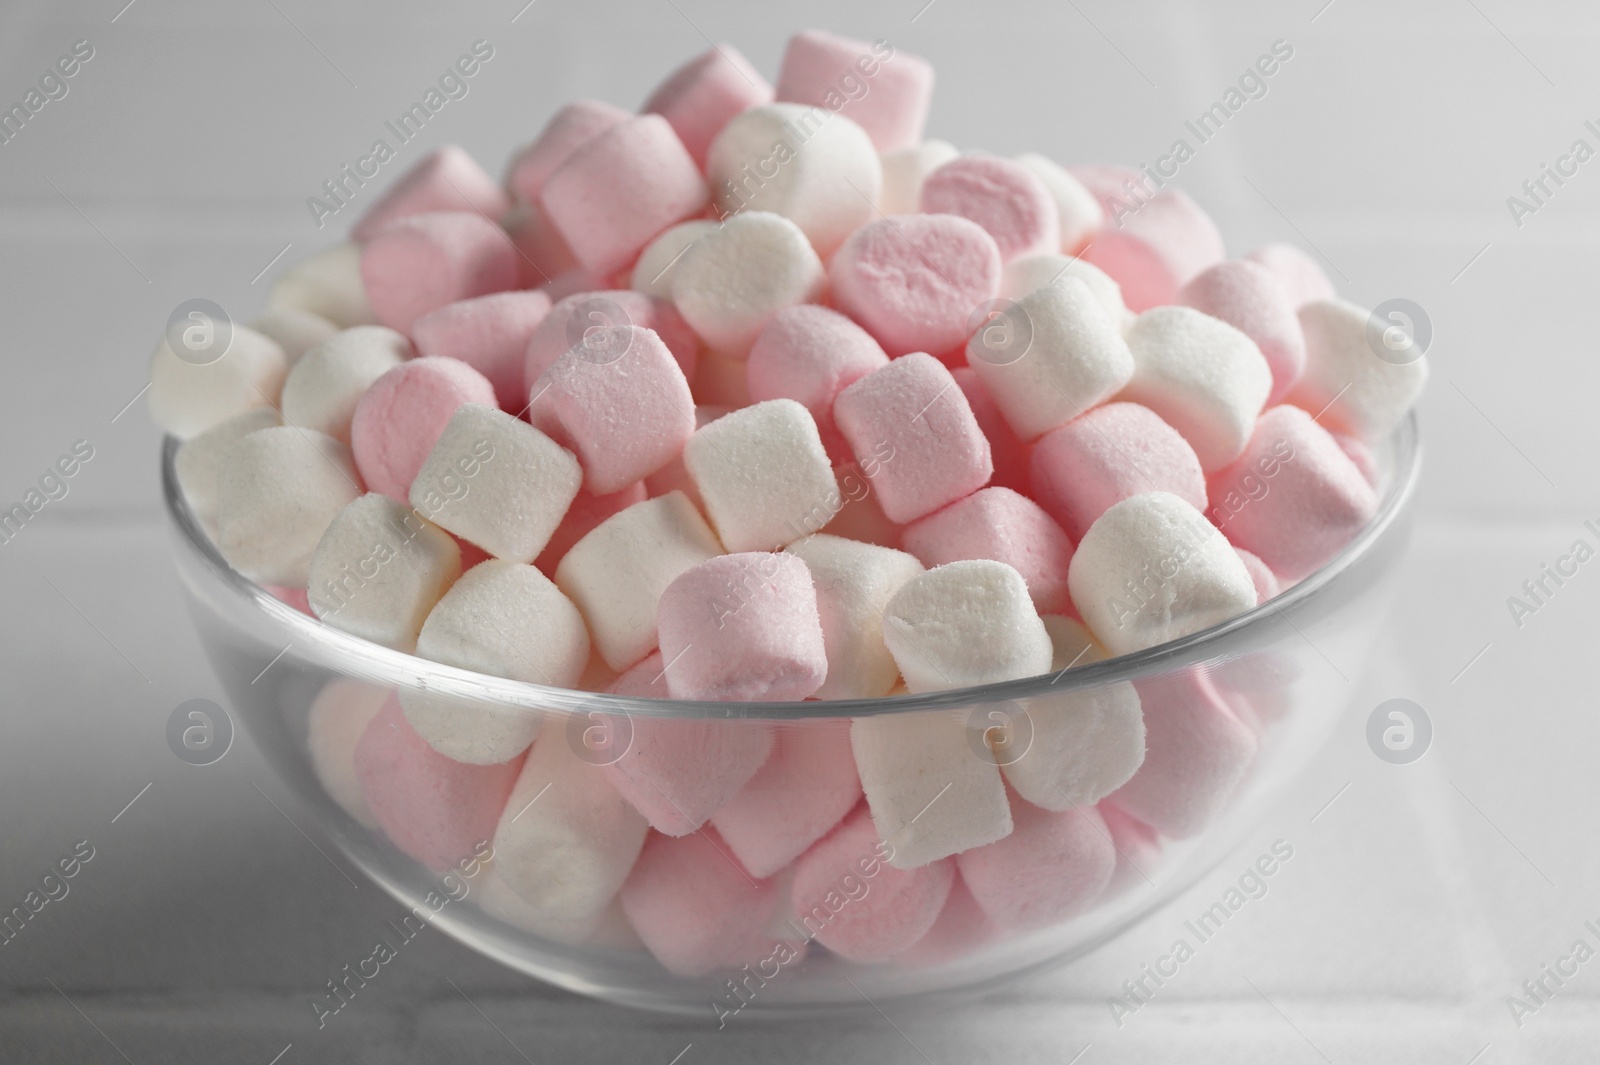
(1284, 670)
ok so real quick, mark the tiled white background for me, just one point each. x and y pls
(178, 166)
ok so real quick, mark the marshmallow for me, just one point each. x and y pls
(617, 192)
(910, 427)
(815, 167)
(1138, 849)
(422, 262)
(852, 902)
(1152, 569)
(295, 597)
(697, 908)
(432, 808)
(763, 475)
(1266, 582)
(1008, 451)
(931, 793)
(860, 517)
(1111, 453)
(1112, 185)
(1077, 208)
(1023, 275)
(678, 772)
(1196, 752)
(1204, 377)
(582, 318)
(1303, 281)
(854, 583)
(278, 491)
(496, 482)
(1051, 867)
(657, 265)
(961, 929)
(619, 401)
(399, 418)
(964, 624)
(569, 129)
(1152, 250)
(1005, 197)
(742, 628)
(189, 397)
(488, 333)
(543, 258)
(378, 569)
(904, 171)
(886, 91)
(999, 524)
(1050, 356)
(198, 464)
(674, 476)
(806, 786)
(914, 282)
(587, 511)
(327, 284)
(295, 331)
(565, 842)
(1248, 297)
(1346, 384)
(617, 573)
(702, 95)
(737, 276)
(505, 619)
(338, 716)
(1360, 454)
(1293, 497)
(326, 384)
(446, 179)
(611, 930)
(809, 354)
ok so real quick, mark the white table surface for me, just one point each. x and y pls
(1422, 897)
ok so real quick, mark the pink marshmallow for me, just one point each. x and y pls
(809, 354)
(571, 283)
(1114, 185)
(1360, 454)
(295, 597)
(962, 927)
(1196, 753)
(558, 333)
(1003, 196)
(1293, 497)
(1153, 250)
(1101, 458)
(446, 179)
(999, 524)
(586, 511)
(542, 256)
(699, 97)
(910, 427)
(849, 898)
(1248, 297)
(619, 401)
(885, 91)
(1009, 451)
(915, 281)
(434, 809)
(490, 334)
(1138, 849)
(616, 193)
(696, 908)
(569, 129)
(422, 262)
(742, 627)
(808, 784)
(1266, 582)
(401, 416)
(1051, 867)
(1302, 279)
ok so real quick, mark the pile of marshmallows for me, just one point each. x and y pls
(759, 395)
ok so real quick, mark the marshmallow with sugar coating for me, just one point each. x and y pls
(399, 418)
(963, 624)
(854, 582)
(904, 171)
(1248, 297)
(733, 279)
(658, 263)
(328, 284)
(296, 331)
(338, 716)
(1005, 197)
(1008, 451)
(702, 95)
(198, 464)
(1003, 525)
(422, 262)
(446, 179)
(1077, 208)
(278, 491)
(575, 125)
(328, 381)
(490, 334)
(583, 317)
(1346, 383)
(1023, 275)
(1154, 248)
(809, 354)
(188, 397)
(1053, 865)
(1302, 279)
(885, 90)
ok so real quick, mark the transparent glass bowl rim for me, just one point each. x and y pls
(354, 656)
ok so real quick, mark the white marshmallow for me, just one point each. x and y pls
(1074, 748)
(327, 284)
(617, 573)
(325, 384)
(854, 583)
(813, 166)
(338, 716)
(1204, 377)
(198, 463)
(566, 840)
(279, 490)
(763, 475)
(1152, 569)
(1377, 393)
(1080, 210)
(741, 273)
(965, 623)
(1023, 275)
(904, 171)
(497, 482)
(1060, 354)
(296, 331)
(931, 793)
(612, 931)
(658, 263)
(187, 398)
(379, 569)
(505, 619)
